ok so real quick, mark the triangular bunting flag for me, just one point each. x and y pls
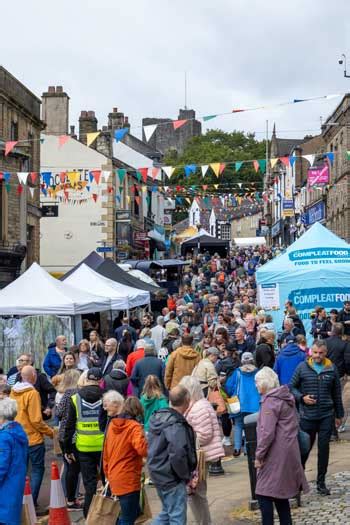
(216, 186)
(138, 175)
(8, 187)
(144, 173)
(7, 176)
(187, 199)
(121, 189)
(205, 187)
(137, 200)
(215, 167)
(238, 165)
(105, 175)
(22, 177)
(190, 168)
(144, 189)
(94, 196)
(128, 199)
(292, 160)
(91, 137)
(46, 176)
(204, 169)
(110, 189)
(168, 170)
(96, 175)
(330, 157)
(262, 165)
(209, 117)
(63, 175)
(119, 134)
(348, 155)
(240, 185)
(222, 167)
(284, 160)
(155, 173)
(178, 123)
(121, 174)
(19, 189)
(149, 130)
(310, 159)
(148, 200)
(62, 140)
(73, 177)
(9, 145)
(273, 162)
(31, 191)
(256, 165)
(33, 177)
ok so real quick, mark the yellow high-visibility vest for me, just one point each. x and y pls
(89, 438)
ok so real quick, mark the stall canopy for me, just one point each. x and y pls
(205, 242)
(36, 292)
(249, 241)
(121, 297)
(314, 270)
(138, 274)
(146, 265)
(111, 270)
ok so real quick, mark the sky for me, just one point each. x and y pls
(133, 55)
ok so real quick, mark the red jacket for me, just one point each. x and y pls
(124, 447)
(132, 359)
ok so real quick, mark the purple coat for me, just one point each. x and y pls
(282, 474)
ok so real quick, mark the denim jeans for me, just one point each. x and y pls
(238, 431)
(37, 464)
(174, 503)
(130, 508)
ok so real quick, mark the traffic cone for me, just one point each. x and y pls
(29, 503)
(58, 514)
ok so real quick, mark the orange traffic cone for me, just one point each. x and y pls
(28, 501)
(58, 514)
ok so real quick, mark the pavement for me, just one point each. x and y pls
(229, 495)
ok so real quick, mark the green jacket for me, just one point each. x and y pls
(151, 405)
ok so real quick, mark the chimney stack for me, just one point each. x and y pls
(115, 120)
(72, 132)
(55, 111)
(87, 124)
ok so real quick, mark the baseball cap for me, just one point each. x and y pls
(94, 374)
(247, 357)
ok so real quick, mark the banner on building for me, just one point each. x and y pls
(318, 176)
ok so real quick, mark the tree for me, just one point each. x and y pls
(219, 146)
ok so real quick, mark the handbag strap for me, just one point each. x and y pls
(239, 374)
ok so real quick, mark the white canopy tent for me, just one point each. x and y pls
(138, 274)
(121, 297)
(249, 241)
(36, 292)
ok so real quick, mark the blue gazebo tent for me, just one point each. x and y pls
(313, 271)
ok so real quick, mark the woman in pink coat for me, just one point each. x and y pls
(280, 474)
(202, 418)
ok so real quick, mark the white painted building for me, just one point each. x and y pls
(81, 224)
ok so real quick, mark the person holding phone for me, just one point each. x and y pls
(316, 387)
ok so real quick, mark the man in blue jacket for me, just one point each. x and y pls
(288, 360)
(53, 359)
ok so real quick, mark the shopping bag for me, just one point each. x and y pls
(233, 405)
(215, 398)
(146, 513)
(56, 444)
(201, 465)
(103, 509)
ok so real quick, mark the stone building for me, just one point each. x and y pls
(166, 138)
(246, 221)
(19, 213)
(336, 137)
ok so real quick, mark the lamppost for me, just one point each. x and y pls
(341, 61)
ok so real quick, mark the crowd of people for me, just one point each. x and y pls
(168, 396)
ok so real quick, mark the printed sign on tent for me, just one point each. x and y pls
(269, 296)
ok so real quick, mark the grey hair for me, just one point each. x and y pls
(266, 379)
(193, 385)
(119, 364)
(160, 320)
(112, 396)
(140, 343)
(8, 409)
(112, 341)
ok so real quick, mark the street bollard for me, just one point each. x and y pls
(250, 440)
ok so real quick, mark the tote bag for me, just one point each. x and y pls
(103, 509)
